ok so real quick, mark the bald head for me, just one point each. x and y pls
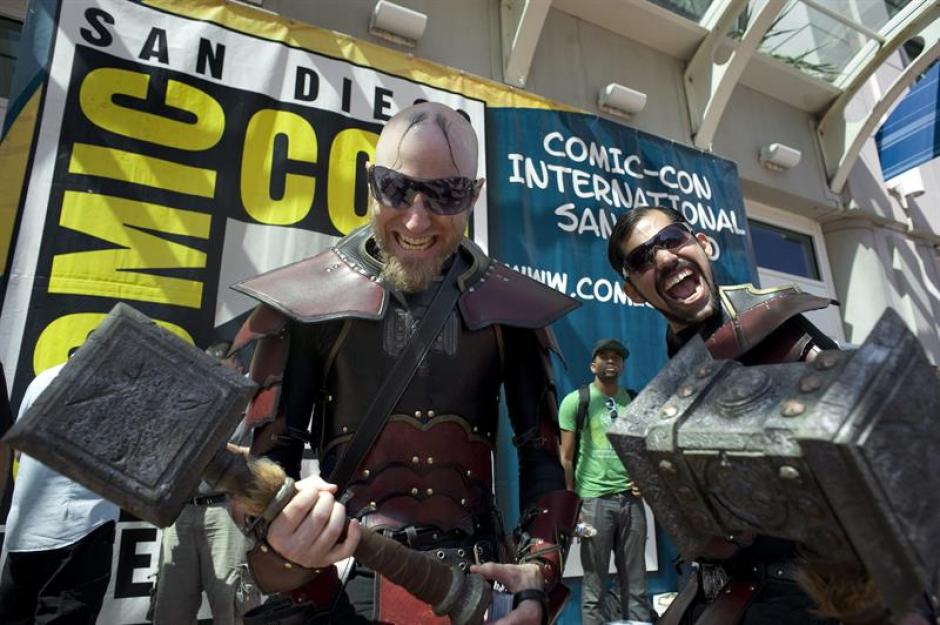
(429, 139)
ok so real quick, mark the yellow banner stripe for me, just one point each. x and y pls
(149, 171)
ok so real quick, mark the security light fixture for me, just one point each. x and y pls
(397, 24)
(617, 99)
(779, 157)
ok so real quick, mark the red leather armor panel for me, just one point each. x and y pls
(405, 480)
(330, 285)
(755, 314)
(504, 296)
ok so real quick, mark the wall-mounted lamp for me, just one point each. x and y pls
(778, 157)
(617, 99)
(396, 23)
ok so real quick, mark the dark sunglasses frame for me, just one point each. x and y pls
(443, 196)
(671, 237)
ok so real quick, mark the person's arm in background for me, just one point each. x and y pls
(566, 421)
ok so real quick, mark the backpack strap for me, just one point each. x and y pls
(584, 398)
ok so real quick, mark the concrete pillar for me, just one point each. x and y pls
(875, 267)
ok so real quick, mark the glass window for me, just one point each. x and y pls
(784, 250)
(9, 40)
(689, 9)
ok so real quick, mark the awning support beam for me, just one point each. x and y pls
(521, 24)
(708, 84)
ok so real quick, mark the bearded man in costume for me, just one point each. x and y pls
(664, 263)
(332, 335)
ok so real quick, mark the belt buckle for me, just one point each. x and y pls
(480, 549)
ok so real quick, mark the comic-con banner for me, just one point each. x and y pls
(157, 152)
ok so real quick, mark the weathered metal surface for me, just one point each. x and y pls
(840, 455)
(135, 415)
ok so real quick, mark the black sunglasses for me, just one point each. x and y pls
(612, 407)
(443, 196)
(672, 237)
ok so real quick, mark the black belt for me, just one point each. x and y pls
(207, 500)
(780, 570)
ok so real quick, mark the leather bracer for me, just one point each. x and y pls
(545, 532)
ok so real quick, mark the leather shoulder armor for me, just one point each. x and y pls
(340, 282)
(345, 281)
(495, 294)
(753, 314)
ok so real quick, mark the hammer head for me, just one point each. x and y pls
(135, 415)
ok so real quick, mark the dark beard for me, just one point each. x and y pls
(685, 320)
(413, 276)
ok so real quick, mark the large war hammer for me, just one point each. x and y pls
(140, 417)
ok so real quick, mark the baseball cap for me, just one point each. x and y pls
(613, 345)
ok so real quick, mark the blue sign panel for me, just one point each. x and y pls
(911, 136)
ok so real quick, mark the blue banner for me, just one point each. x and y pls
(910, 136)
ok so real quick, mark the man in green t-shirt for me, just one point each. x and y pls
(612, 504)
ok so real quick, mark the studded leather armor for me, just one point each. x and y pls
(329, 331)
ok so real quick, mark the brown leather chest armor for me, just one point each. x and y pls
(431, 465)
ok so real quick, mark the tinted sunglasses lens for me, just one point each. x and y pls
(448, 196)
(638, 260)
(673, 237)
(389, 187)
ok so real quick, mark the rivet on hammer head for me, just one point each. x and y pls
(670, 411)
(704, 371)
(667, 467)
(786, 472)
(792, 408)
(826, 361)
(686, 391)
(810, 383)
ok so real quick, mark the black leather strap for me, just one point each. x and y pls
(532, 593)
(398, 379)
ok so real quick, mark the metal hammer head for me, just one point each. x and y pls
(135, 415)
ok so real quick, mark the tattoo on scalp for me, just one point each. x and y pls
(416, 120)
